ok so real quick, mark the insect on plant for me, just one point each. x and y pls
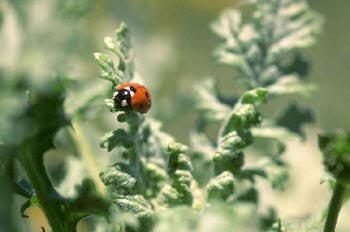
(140, 178)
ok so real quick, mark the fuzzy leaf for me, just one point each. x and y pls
(115, 138)
(221, 186)
(266, 49)
(108, 70)
(121, 182)
(295, 26)
(239, 49)
(291, 85)
(207, 101)
(135, 204)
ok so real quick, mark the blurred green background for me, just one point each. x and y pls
(173, 45)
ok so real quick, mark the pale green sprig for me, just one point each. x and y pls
(266, 48)
(222, 186)
(121, 47)
(179, 170)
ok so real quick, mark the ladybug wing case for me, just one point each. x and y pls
(142, 100)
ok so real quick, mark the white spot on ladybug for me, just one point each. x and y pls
(124, 103)
(132, 93)
(115, 94)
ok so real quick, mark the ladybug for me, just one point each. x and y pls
(133, 96)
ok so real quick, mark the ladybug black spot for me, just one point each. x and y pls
(132, 88)
(146, 95)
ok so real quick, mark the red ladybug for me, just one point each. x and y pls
(133, 96)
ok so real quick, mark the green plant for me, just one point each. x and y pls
(155, 183)
(266, 50)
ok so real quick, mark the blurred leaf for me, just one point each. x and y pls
(207, 101)
(295, 26)
(251, 195)
(293, 118)
(335, 147)
(135, 204)
(240, 47)
(33, 201)
(274, 133)
(291, 85)
(88, 202)
(266, 49)
(75, 173)
(276, 172)
(74, 9)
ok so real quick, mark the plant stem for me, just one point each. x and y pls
(83, 148)
(334, 207)
(44, 191)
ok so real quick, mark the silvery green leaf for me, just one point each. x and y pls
(114, 138)
(275, 133)
(207, 101)
(276, 172)
(201, 143)
(108, 71)
(295, 26)
(235, 131)
(135, 204)
(240, 45)
(124, 52)
(259, 48)
(291, 85)
(221, 186)
(121, 182)
(157, 141)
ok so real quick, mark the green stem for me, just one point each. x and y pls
(84, 150)
(334, 207)
(135, 151)
(46, 194)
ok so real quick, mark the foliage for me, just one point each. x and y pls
(42, 116)
(265, 55)
(155, 183)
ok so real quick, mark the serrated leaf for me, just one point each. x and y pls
(276, 134)
(135, 204)
(207, 101)
(295, 26)
(291, 85)
(240, 40)
(258, 48)
(221, 186)
(294, 117)
(108, 70)
(115, 138)
(122, 182)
